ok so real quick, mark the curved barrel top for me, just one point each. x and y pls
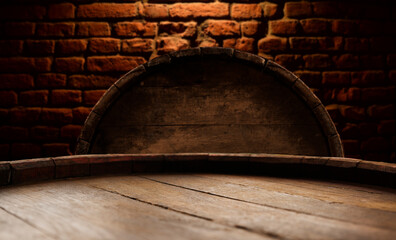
(210, 100)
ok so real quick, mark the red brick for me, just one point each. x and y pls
(170, 44)
(65, 97)
(315, 26)
(20, 29)
(312, 79)
(222, 28)
(298, 9)
(391, 60)
(72, 64)
(70, 131)
(90, 81)
(23, 64)
(270, 10)
(61, 11)
(325, 9)
(33, 98)
(11, 133)
(245, 11)
(55, 29)
(25, 151)
(370, 27)
(80, 114)
(3, 116)
(104, 45)
(353, 113)
(107, 10)
(356, 44)
(382, 44)
(272, 44)
(346, 61)
(368, 129)
(16, 81)
(92, 97)
(283, 27)
(348, 95)
(375, 144)
(381, 112)
(350, 131)
(56, 116)
(22, 12)
(8, 98)
(51, 80)
(392, 77)
(10, 47)
(387, 127)
(378, 95)
(207, 42)
(40, 47)
(23, 115)
(180, 29)
(96, 29)
(4, 152)
(153, 11)
(113, 63)
(378, 157)
(198, 10)
(56, 149)
(71, 46)
(134, 29)
(44, 133)
(251, 28)
(351, 146)
(317, 61)
(243, 44)
(372, 61)
(303, 43)
(289, 61)
(368, 78)
(344, 27)
(138, 45)
(336, 78)
(330, 43)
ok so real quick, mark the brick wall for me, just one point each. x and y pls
(58, 57)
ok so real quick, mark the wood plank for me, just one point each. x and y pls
(320, 190)
(257, 218)
(12, 227)
(232, 189)
(211, 138)
(69, 210)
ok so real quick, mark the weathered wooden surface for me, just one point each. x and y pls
(213, 100)
(198, 206)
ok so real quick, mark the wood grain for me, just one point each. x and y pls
(70, 210)
(230, 187)
(358, 195)
(257, 218)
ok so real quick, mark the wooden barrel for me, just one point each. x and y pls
(210, 100)
(188, 196)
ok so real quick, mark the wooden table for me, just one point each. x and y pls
(196, 206)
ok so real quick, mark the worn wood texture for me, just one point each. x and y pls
(210, 100)
(195, 207)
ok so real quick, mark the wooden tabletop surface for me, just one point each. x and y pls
(196, 206)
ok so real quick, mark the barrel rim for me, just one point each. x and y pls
(290, 79)
(45, 169)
